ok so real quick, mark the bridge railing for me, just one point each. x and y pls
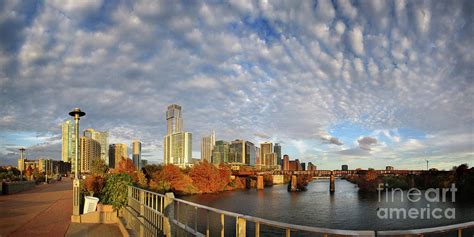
(153, 214)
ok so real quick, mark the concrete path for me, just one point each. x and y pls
(44, 211)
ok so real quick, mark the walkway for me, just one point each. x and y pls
(45, 211)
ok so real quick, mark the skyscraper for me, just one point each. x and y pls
(137, 154)
(67, 151)
(177, 143)
(178, 148)
(242, 152)
(277, 150)
(207, 145)
(90, 150)
(103, 139)
(173, 119)
(286, 162)
(220, 154)
(117, 152)
(265, 148)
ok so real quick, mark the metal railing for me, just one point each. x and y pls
(153, 214)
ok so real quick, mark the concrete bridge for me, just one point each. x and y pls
(291, 176)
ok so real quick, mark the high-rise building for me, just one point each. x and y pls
(242, 152)
(68, 142)
(265, 148)
(258, 160)
(389, 168)
(344, 167)
(311, 166)
(103, 139)
(220, 154)
(277, 150)
(137, 154)
(117, 152)
(177, 143)
(303, 166)
(295, 165)
(207, 145)
(90, 150)
(270, 160)
(144, 163)
(173, 119)
(178, 148)
(286, 162)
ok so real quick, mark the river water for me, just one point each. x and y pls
(345, 209)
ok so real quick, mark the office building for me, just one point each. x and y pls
(303, 166)
(242, 152)
(207, 145)
(173, 119)
(137, 154)
(103, 139)
(68, 143)
(286, 162)
(295, 165)
(177, 143)
(178, 148)
(277, 150)
(344, 167)
(389, 168)
(258, 160)
(311, 166)
(270, 160)
(117, 152)
(220, 154)
(144, 163)
(90, 150)
(265, 148)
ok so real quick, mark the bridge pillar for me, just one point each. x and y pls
(260, 183)
(293, 182)
(332, 186)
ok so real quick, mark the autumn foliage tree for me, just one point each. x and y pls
(94, 184)
(126, 166)
(179, 182)
(208, 178)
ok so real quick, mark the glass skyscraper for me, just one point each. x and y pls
(177, 143)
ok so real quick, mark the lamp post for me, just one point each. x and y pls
(76, 113)
(22, 151)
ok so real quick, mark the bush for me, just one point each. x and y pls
(94, 184)
(207, 179)
(116, 190)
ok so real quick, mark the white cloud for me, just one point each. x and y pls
(356, 40)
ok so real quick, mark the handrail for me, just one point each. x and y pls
(295, 227)
(428, 230)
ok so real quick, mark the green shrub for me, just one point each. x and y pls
(116, 189)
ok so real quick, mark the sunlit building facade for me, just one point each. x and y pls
(117, 152)
(207, 146)
(177, 143)
(90, 151)
(242, 152)
(137, 154)
(68, 142)
(103, 139)
(220, 154)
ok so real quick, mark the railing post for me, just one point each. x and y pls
(168, 210)
(241, 227)
(459, 232)
(141, 218)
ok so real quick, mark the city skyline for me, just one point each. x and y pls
(370, 84)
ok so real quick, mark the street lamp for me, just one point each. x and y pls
(22, 151)
(76, 113)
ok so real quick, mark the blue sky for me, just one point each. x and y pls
(363, 83)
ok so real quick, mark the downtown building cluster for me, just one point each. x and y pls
(95, 145)
(237, 153)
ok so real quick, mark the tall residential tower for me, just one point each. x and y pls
(207, 145)
(137, 154)
(177, 143)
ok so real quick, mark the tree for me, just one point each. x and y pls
(126, 166)
(180, 183)
(142, 181)
(115, 191)
(98, 167)
(206, 178)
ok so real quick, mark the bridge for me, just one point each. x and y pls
(291, 176)
(153, 214)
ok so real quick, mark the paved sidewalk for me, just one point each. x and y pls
(93, 230)
(42, 211)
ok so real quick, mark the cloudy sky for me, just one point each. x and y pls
(363, 83)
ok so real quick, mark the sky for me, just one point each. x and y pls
(363, 83)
